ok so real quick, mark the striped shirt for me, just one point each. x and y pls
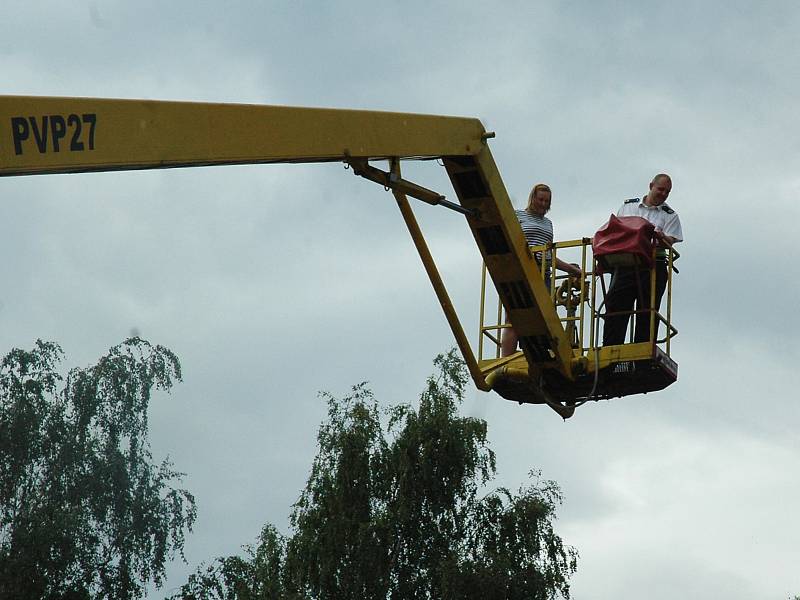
(538, 230)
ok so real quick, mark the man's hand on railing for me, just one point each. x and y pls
(663, 239)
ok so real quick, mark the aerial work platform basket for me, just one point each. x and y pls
(600, 372)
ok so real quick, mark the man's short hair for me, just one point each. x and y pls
(661, 176)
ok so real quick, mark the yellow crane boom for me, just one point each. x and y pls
(41, 135)
(63, 135)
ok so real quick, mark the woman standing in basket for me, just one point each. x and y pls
(538, 230)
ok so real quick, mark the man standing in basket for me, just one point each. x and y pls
(630, 285)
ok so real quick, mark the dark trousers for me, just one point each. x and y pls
(628, 287)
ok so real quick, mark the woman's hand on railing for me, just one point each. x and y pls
(575, 270)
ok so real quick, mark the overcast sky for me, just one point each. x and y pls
(274, 282)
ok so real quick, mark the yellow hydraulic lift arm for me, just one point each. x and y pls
(40, 135)
(63, 135)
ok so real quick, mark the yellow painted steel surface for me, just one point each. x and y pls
(505, 251)
(438, 286)
(56, 135)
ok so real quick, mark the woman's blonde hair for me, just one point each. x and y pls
(539, 187)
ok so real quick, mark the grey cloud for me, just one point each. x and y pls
(274, 282)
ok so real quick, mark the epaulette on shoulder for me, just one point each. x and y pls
(631, 200)
(667, 209)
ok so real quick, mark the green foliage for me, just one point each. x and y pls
(83, 511)
(393, 509)
(259, 576)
